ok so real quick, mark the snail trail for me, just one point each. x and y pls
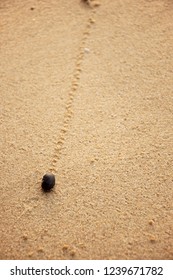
(48, 180)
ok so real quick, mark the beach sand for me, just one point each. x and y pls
(87, 94)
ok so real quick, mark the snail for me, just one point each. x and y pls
(48, 182)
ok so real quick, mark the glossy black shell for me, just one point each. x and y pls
(48, 182)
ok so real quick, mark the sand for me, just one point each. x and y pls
(87, 94)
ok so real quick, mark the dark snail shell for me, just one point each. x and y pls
(48, 182)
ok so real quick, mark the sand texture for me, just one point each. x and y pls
(87, 94)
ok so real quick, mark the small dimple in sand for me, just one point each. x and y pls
(91, 3)
(72, 253)
(151, 222)
(25, 237)
(65, 247)
(152, 239)
(40, 250)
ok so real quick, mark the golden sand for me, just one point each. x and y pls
(86, 93)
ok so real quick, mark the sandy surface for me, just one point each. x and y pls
(86, 93)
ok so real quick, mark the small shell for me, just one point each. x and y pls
(48, 182)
